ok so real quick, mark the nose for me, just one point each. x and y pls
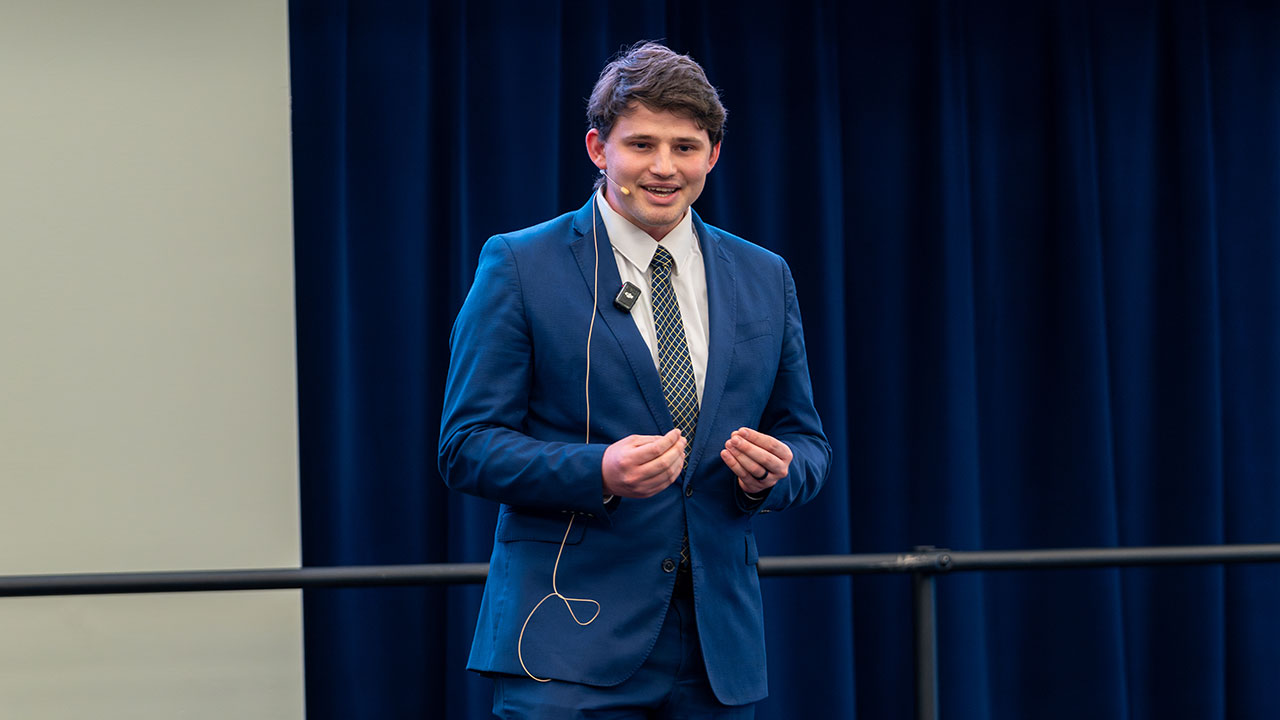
(662, 165)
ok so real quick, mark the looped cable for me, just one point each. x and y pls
(555, 592)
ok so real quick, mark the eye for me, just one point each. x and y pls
(685, 148)
(640, 145)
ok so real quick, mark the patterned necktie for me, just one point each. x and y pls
(674, 366)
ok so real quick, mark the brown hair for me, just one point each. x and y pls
(652, 74)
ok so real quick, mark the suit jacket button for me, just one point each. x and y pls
(668, 565)
(688, 491)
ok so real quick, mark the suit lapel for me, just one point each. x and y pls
(618, 322)
(722, 307)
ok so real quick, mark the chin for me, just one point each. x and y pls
(662, 219)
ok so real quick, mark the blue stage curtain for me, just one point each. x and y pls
(1037, 248)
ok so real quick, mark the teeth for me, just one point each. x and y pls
(661, 191)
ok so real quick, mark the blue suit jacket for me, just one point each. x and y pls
(514, 427)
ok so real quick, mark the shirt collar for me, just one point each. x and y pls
(638, 247)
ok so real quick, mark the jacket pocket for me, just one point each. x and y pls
(751, 330)
(514, 526)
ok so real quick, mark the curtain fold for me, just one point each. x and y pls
(1037, 251)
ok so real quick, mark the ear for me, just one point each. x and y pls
(595, 148)
(715, 155)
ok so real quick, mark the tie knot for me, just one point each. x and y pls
(661, 258)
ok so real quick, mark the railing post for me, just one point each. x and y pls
(923, 596)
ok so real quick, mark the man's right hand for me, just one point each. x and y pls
(641, 466)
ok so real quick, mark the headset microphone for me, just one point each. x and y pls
(621, 188)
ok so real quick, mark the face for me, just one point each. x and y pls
(662, 158)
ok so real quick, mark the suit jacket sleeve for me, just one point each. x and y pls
(484, 446)
(790, 416)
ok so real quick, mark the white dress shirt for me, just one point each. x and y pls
(633, 250)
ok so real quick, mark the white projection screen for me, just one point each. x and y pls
(147, 382)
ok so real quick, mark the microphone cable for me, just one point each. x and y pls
(555, 590)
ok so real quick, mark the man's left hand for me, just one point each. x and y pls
(759, 460)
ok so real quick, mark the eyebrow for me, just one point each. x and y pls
(650, 138)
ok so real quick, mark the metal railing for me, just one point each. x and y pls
(924, 564)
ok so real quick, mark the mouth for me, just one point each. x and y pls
(660, 191)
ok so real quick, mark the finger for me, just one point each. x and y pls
(766, 441)
(666, 438)
(761, 457)
(753, 479)
(748, 484)
(751, 468)
(734, 465)
(650, 447)
(663, 464)
(676, 456)
(674, 459)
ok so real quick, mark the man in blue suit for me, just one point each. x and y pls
(631, 385)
